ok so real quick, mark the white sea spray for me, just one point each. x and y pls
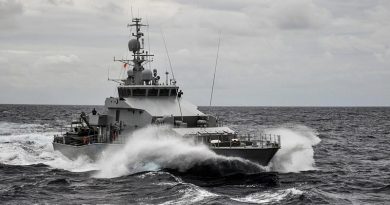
(296, 153)
(156, 147)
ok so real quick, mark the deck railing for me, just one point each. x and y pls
(264, 140)
(261, 140)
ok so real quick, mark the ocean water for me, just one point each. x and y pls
(329, 155)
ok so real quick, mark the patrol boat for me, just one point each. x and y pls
(144, 100)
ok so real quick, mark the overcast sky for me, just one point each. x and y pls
(273, 52)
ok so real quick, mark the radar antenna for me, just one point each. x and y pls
(137, 46)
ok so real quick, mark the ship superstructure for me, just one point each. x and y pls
(145, 99)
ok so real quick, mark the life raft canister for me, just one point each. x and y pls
(113, 135)
(86, 140)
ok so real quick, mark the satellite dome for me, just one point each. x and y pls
(130, 73)
(134, 45)
(147, 75)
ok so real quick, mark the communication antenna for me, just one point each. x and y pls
(166, 50)
(173, 75)
(131, 8)
(215, 70)
(109, 79)
(119, 81)
(147, 22)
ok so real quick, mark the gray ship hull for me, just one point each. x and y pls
(261, 156)
(93, 151)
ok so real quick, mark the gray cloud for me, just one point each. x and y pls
(61, 2)
(10, 8)
(300, 14)
(273, 52)
(9, 11)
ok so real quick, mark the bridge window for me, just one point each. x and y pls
(117, 113)
(124, 92)
(152, 92)
(173, 92)
(128, 92)
(120, 92)
(139, 92)
(164, 92)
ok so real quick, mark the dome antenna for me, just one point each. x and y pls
(140, 56)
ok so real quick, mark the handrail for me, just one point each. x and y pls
(261, 140)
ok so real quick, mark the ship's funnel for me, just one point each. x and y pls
(134, 45)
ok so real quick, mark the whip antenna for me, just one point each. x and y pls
(131, 8)
(173, 75)
(166, 50)
(215, 69)
(147, 22)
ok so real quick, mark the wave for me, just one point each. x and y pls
(154, 148)
(270, 196)
(29, 144)
(157, 147)
(10, 128)
(190, 193)
(296, 153)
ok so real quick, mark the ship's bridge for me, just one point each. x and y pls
(126, 91)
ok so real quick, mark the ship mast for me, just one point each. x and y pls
(140, 56)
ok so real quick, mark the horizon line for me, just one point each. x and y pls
(212, 105)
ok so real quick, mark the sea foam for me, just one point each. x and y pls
(158, 147)
(27, 144)
(153, 148)
(296, 153)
